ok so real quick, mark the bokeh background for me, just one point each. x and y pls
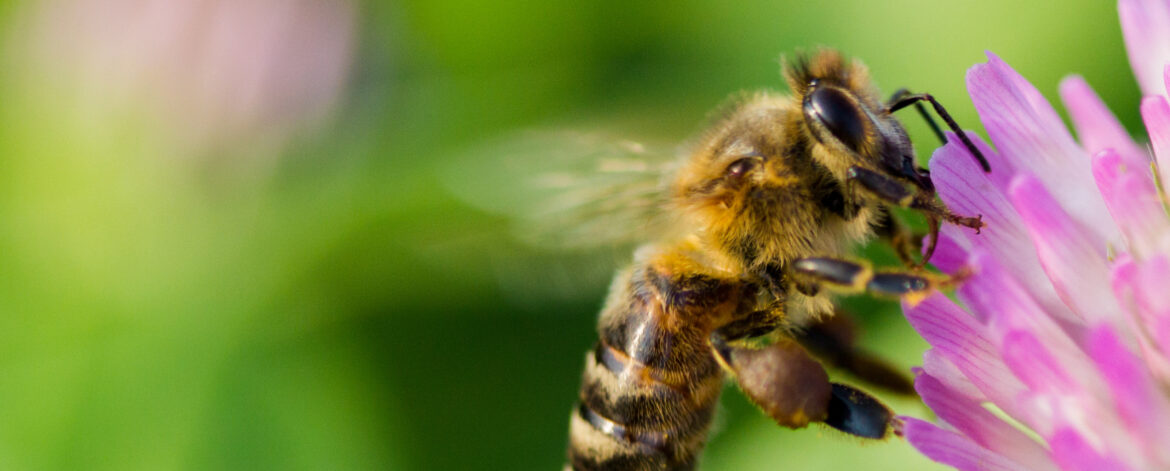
(233, 233)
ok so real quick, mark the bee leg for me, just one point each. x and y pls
(903, 93)
(901, 239)
(849, 276)
(833, 340)
(904, 98)
(854, 412)
(792, 388)
(893, 192)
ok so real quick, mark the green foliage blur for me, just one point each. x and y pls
(332, 303)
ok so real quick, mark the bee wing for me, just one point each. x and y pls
(570, 190)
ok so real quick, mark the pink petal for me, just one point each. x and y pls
(1009, 309)
(961, 163)
(1032, 137)
(969, 417)
(1136, 397)
(960, 339)
(1133, 201)
(1146, 27)
(1073, 453)
(955, 174)
(935, 363)
(952, 448)
(950, 255)
(1041, 110)
(1141, 289)
(1156, 114)
(967, 190)
(1096, 126)
(1035, 365)
(993, 294)
(1072, 254)
(1151, 291)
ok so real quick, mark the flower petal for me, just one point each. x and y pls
(969, 417)
(1156, 114)
(1073, 255)
(935, 363)
(1096, 126)
(1030, 135)
(1141, 290)
(1035, 365)
(1073, 453)
(1150, 289)
(950, 255)
(1133, 201)
(967, 190)
(956, 174)
(1008, 309)
(954, 449)
(1146, 27)
(960, 339)
(1136, 397)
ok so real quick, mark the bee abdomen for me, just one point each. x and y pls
(650, 385)
(628, 419)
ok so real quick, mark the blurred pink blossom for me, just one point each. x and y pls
(213, 73)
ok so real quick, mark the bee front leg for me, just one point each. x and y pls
(792, 388)
(893, 192)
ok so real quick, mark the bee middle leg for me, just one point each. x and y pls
(793, 388)
(904, 241)
(811, 274)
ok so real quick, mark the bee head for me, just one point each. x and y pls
(738, 156)
(745, 183)
(848, 123)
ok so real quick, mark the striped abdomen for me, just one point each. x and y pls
(651, 383)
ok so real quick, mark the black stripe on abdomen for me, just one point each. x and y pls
(636, 422)
(654, 405)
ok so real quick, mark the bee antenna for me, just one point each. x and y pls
(903, 98)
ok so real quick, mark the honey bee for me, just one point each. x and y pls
(771, 200)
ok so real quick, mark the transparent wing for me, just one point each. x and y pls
(567, 189)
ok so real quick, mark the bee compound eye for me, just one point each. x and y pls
(740, 167)
(836, 112)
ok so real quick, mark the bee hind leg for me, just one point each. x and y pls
(793, 388)
(832, 339)
(857, 413)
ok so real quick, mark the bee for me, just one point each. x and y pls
(770, 201)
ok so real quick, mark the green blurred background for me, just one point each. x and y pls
(279, 282)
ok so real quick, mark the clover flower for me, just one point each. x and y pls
(1058, 354)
